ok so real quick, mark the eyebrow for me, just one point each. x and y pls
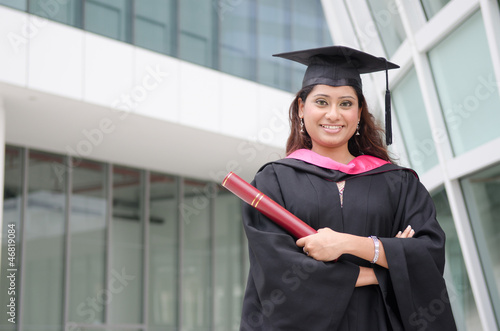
(328, 96)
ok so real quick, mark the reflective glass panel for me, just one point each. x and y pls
(308, 30)
(67, 12)
(16, 4)
(273, 18)
(163, 252)
(410, 109)
(467, 87)
(110, 18)
(125, 291)
(431, 7)
(482, 195)
(457, 281)
(390, 28)
(228, 292)
(87, 295)
(10, 258)
(155, 24)
(196, 245)
(44, 242)
(197, 26)
(237, 44)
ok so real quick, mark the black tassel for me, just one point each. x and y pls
(388, 126)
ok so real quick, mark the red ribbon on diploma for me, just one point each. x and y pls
(267, 206)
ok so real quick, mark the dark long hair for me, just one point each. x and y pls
(369, 142)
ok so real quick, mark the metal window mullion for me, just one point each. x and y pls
(289, 74)
(180, 257)
(67, 243)
(146, 216)
(491, 19)
(319, 13)
(109, 217)
(83, 326)
(216, 37)
(24, 206)
(132, 22)
(470, 254)
(254, 44)
(485, 262)
(176, 42)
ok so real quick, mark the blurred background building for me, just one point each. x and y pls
(120, 118)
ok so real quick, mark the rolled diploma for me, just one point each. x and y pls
(267, 206)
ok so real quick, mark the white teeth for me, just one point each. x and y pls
(333, 127)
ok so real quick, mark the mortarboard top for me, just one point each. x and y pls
(342, 66)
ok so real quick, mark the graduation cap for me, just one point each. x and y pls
(342, 66)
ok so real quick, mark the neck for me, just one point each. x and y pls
(340, 155)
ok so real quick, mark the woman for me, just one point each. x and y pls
(377, 260)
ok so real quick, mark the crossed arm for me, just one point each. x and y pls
(328, 245)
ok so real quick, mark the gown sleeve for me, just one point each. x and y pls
(286, 289)
(414, 287)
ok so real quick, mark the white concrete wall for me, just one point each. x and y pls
(54, 58)
(41, 59)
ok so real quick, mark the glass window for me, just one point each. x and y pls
(196, 257)
(155, 25)
(410, 110)
(457, 281)
(234, 36)
(163, 253)
(16, 4)
(110, 18)
(110, 283)
(237, 38)
(197, 27)
(482, 196)
(10, 258)
(431, 7)
(390, 28)
(127, 254)
(467, 86)
(44, 243)
(88, 243)
(67, 12)
(308, 30)
(229, 285)
(273, 18)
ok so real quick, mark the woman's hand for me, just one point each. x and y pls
(326, 245)
(366, 277)
(407, 233)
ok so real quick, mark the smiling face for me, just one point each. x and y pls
(331, 115)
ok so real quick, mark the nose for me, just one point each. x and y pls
(333, 113)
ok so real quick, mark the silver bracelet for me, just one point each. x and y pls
(377, 249)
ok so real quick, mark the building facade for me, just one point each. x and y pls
(120, 118)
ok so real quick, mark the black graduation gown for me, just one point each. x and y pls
(288, 290)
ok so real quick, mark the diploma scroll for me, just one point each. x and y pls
(267, 206)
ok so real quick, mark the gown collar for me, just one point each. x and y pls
(358, 165)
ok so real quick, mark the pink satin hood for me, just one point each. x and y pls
(358, 165)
